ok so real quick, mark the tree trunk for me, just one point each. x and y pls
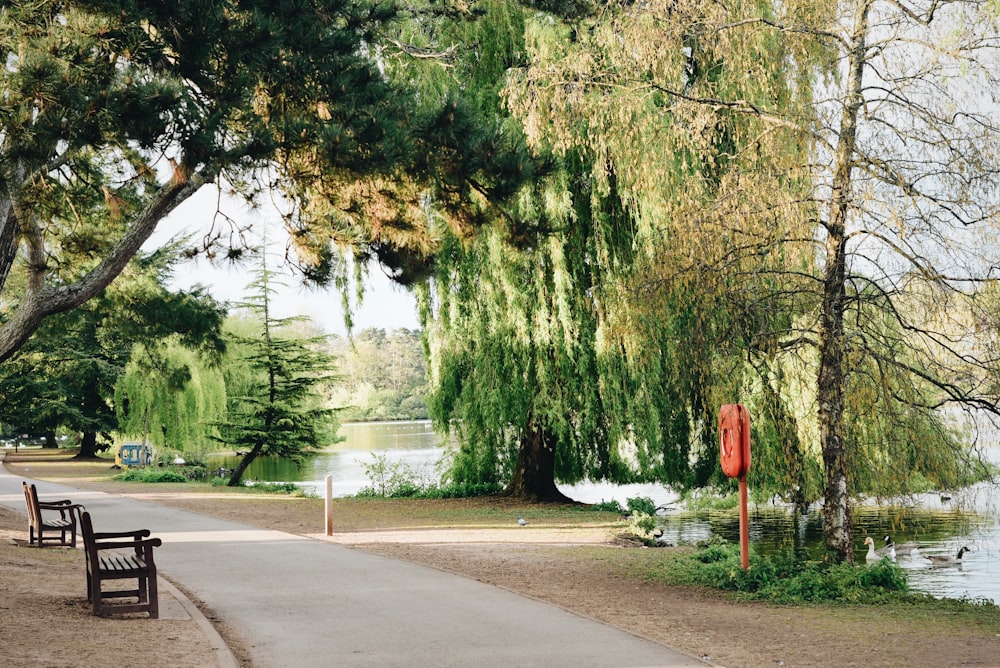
(534, 474)
(831, 377)
(88, 446)
(8, 238)
(830, 396)
(40, 300)
(50, 439)
(236, 477)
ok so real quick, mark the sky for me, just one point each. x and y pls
(386, 305)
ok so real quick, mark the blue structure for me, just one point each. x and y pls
(134, 454)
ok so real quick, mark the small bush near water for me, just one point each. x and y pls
(187, 473)
(289, 488)
(157, 474)
(783, 578)
(398, 480)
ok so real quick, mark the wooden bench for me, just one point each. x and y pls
(124, 555)
(40, 521)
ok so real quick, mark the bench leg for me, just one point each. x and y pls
(153, 598)
(95, 595)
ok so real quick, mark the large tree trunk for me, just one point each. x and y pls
(534, 474)
(831, 378)
(88, 446)
(50, 439)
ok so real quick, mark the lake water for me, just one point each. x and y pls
(938, 525)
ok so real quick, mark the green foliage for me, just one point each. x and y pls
(641, 504)
(152, 404)
(707, 500)
(381, 376)
(274, 381)
(459, 490)
(72, 372)
(125, 112)
(611, 506)
(152, 474)
(641, 524)
(784, 579)
(396, 480)
(575, 330)
(257, 486)
(391, 479)
(289, 488)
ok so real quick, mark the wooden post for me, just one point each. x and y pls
(329, 505)
(744, 525)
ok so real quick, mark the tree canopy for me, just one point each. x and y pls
(66, 375)
(835, 166)
(618, 215)
(131, 108)
(787, 205)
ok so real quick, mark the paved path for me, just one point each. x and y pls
(304, 602)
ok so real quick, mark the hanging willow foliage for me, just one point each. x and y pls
(173, 403)
(737, 176)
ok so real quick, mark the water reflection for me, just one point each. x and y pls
(412, 443)
(936, 528)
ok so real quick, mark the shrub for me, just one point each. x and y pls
(398, 480)
(783, 578)
(642, 525)
(611, 506)
(456, 490)
(152, 475)
(642, 505)
(276, 488)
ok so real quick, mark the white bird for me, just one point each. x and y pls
(942, 560)
(874, 555)
(871, 556)
(523, 522)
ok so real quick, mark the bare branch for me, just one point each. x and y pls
(446, 57)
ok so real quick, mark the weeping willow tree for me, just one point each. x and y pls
(512, 348)
(171, 401)
(544, 356)
(798, 165)
(507, 318)
(580, 346)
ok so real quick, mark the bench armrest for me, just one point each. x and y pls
(61, 502)
(105, 535)
(122, 545)
(61, 506)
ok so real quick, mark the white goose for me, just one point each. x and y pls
(874, 555)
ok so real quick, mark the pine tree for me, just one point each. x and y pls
(273, 383)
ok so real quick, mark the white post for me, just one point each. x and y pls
(329, 505)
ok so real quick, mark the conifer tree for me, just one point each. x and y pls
(274, 380)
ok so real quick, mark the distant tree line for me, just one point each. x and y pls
(382, 375)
